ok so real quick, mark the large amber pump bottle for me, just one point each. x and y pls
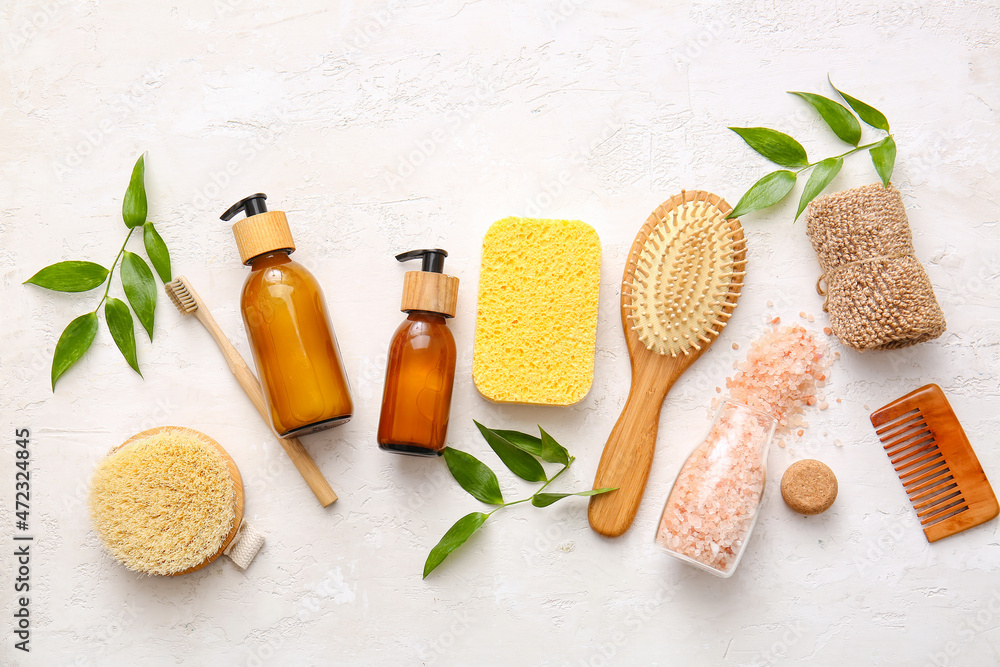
(298, 360)
(420, 372)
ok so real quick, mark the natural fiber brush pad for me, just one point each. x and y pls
(537, 319)
(164, 502)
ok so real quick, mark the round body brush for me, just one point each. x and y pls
(167, 501)
(682, 280)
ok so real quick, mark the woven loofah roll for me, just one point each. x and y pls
(877, 293)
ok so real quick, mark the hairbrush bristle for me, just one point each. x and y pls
(685, 273)
(178, 292)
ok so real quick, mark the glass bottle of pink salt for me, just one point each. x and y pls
(713, 505)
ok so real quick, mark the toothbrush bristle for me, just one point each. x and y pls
(178, 292)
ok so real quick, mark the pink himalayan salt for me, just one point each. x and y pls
(713, 504)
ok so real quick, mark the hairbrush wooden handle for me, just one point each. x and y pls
(303, 462)
(628, 455)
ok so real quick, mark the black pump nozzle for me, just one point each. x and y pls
(251, 205)
(433, 260)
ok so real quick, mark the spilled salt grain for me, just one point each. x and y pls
(827, 330)
(770, 304)
(736, 346)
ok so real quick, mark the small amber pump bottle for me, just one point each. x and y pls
(420, 372)
(298, 360)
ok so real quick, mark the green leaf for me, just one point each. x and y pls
(474, 476)
(544, 448)
(546, 499)
(523, 441)
(552, 451)
(134, 203)
(74, 341)
(72, 276)
(776, 146)
(453, 539)
(884, 157)
(867, 113)
(768, 191)
(521, 463)
(820, 177)
(140, 288)
(157, 251)
(841, 121)
(122, 330)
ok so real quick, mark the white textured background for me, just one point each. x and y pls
(387, 126)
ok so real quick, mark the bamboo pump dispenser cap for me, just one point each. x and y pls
(262, 231)
(429, 289)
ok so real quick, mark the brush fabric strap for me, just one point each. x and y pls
(244, 546)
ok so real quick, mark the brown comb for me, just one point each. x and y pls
(935, 462)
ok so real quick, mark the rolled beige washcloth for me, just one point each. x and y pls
(877, 293)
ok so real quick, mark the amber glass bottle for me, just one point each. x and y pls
(420, 372)
(296, 353)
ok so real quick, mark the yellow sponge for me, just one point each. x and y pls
(537, 318)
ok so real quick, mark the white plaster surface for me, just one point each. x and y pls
(387, 126)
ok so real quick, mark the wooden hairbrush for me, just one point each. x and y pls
(932, 456)
(681, 283)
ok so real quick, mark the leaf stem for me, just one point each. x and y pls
(532, 496)
(853, 150)
(554, 477)
(111, 271)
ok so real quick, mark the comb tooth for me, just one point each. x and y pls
(931, 481)
(911, 450)
(897, 421)
(917, 482)
(944, 511)
(911, 431)
(891, 432)
(951, 498)
(944, 517)
(925, 462)
(935, 488)
(933, 498)
(912, 439)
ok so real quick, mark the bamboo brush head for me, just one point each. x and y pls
(182, 296)
(684, 274)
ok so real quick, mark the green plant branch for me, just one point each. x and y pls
(111, 271)
(842, 155)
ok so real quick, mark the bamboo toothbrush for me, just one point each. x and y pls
(188, 301)
(683, 277)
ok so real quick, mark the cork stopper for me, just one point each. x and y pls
(262, 231)
(431, 292)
